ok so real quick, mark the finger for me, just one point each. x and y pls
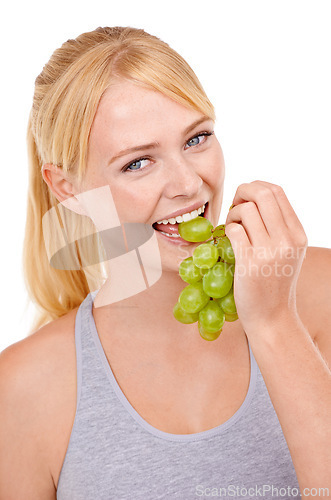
(238, 238)
(290, 217)
(248, 215)
(266, 203)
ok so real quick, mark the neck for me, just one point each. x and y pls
(163, 294)
(148, 319)
(151, 307)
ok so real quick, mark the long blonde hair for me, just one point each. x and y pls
(66, 97)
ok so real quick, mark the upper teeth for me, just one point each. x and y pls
(184, 217)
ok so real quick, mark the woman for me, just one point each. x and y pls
(114, 398)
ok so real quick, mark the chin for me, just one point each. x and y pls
(173, 256)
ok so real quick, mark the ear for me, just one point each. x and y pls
(62, 188)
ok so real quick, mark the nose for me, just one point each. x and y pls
(182, 178)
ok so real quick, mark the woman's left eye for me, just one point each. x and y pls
(196, 139)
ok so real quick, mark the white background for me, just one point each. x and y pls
(265, 65)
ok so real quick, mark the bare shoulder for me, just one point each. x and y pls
(314, 285)
(314, 296)
(37, 407)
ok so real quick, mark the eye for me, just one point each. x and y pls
(135, 165)
(196, 141)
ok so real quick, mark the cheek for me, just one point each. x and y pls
(132, 204)
(215, 172)
(125, 201)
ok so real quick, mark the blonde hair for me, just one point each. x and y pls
(66, 97)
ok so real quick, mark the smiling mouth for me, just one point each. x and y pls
(169, 227)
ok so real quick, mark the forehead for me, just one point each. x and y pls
(129, 112)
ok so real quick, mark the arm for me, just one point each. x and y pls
(270, 244)
(299, 384)
(24, 470)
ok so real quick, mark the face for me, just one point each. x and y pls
(177, 165)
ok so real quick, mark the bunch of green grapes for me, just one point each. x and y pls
(208, 297)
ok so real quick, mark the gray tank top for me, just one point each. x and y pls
(113, 453)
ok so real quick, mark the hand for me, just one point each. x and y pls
(269, 244)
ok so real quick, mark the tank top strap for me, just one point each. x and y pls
(90, 369)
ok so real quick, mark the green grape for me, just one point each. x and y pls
(211, 317)
(231, 317)
(227, 303)
(195, 230)
(206, 335)
(217, 282)
(193, 298)
(188, 271)
(183, 316)
(225, 250)
(208, 298)
(219, 231)
(205, 256)
(231, 268)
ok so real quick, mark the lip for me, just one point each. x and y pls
(180, 241)
(182, 211)
(174, 241)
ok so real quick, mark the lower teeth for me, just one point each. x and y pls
(174, 235)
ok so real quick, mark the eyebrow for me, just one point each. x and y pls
(156, 144)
